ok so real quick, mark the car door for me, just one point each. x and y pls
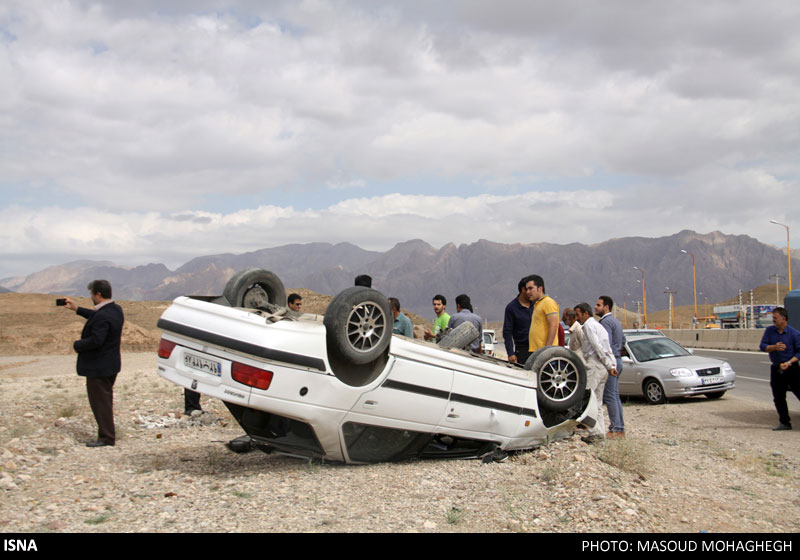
(481, 407)
(630, 380)
(413, 396)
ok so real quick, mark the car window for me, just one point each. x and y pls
(656, 348)
(372, 444)
(487, 338)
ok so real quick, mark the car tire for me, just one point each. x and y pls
(715, 395)
(654, 392)
(254, 288)
(460, 337)
(358, 325)
(560, 377)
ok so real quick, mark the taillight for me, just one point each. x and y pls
(252, 376)
(165, 348)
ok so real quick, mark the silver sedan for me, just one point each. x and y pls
(658, 368)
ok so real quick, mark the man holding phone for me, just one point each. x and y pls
(99, 357)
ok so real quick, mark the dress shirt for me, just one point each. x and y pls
(516, 326)
(615, 335)
(595, 343)
(790, 337)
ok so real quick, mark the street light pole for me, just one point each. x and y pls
(694, 285)
(644, 298)
(788, 250)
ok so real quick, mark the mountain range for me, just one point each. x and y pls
(414, 271)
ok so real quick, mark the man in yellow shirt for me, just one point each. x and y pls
(544, 323)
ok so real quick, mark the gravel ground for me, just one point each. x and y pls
(691, 466)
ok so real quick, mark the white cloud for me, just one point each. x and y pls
(145, 115)
(379, 222)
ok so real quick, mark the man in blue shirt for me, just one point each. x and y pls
(616, 337)
(517, 325)
(464, 314)
(783, 344)
(402, 324)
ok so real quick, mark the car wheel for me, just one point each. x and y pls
(460, 337)
(560, 377)
(654, 392)
(358, 325)
(254, 288)
(716, 395)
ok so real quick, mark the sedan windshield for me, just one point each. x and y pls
(656, 348)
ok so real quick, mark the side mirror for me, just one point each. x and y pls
(626, 360)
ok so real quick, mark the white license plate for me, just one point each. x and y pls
(202, 364)
(712, 380)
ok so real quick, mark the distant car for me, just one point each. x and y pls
(343, 388)
(636, 332)
(489, 342)
(658, 368)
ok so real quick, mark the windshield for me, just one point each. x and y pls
(488, 338)
(656, 348)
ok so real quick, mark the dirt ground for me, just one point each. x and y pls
(690, 466)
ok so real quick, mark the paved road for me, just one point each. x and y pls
(752, 375)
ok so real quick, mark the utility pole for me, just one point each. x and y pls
(644, 296)
(777, 291)
(671, 293)
(741, 315)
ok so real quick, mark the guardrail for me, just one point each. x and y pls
(717, 339)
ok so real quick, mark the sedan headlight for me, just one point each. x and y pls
(681, 372)
(726, 368)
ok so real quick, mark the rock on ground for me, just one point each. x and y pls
(691, 466)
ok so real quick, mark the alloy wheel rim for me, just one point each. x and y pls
(558, 379)
(654, 392)
(366, 325)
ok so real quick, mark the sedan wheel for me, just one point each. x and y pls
(560, 376)
(358, 325)
(654, 392)
(255, 288)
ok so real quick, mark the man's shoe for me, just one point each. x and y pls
(99, 444)
(610, 435)
(781, 427)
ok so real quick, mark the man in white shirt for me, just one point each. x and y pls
(599, 359)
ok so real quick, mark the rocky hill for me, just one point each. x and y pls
(414, 271)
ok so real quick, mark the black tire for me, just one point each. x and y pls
(460, 337)
(654, 392)
(358, 325)
(254, 288)
(560, 377)
(715, 395)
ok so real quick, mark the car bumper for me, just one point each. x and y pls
(692, 386)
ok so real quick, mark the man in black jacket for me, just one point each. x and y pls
(99, 356)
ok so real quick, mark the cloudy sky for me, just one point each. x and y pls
(145, 131)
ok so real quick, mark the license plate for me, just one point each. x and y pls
(712, 380)
(202, 364)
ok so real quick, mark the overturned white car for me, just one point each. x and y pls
(343, 388)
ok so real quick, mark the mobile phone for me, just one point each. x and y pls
(61, 301)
